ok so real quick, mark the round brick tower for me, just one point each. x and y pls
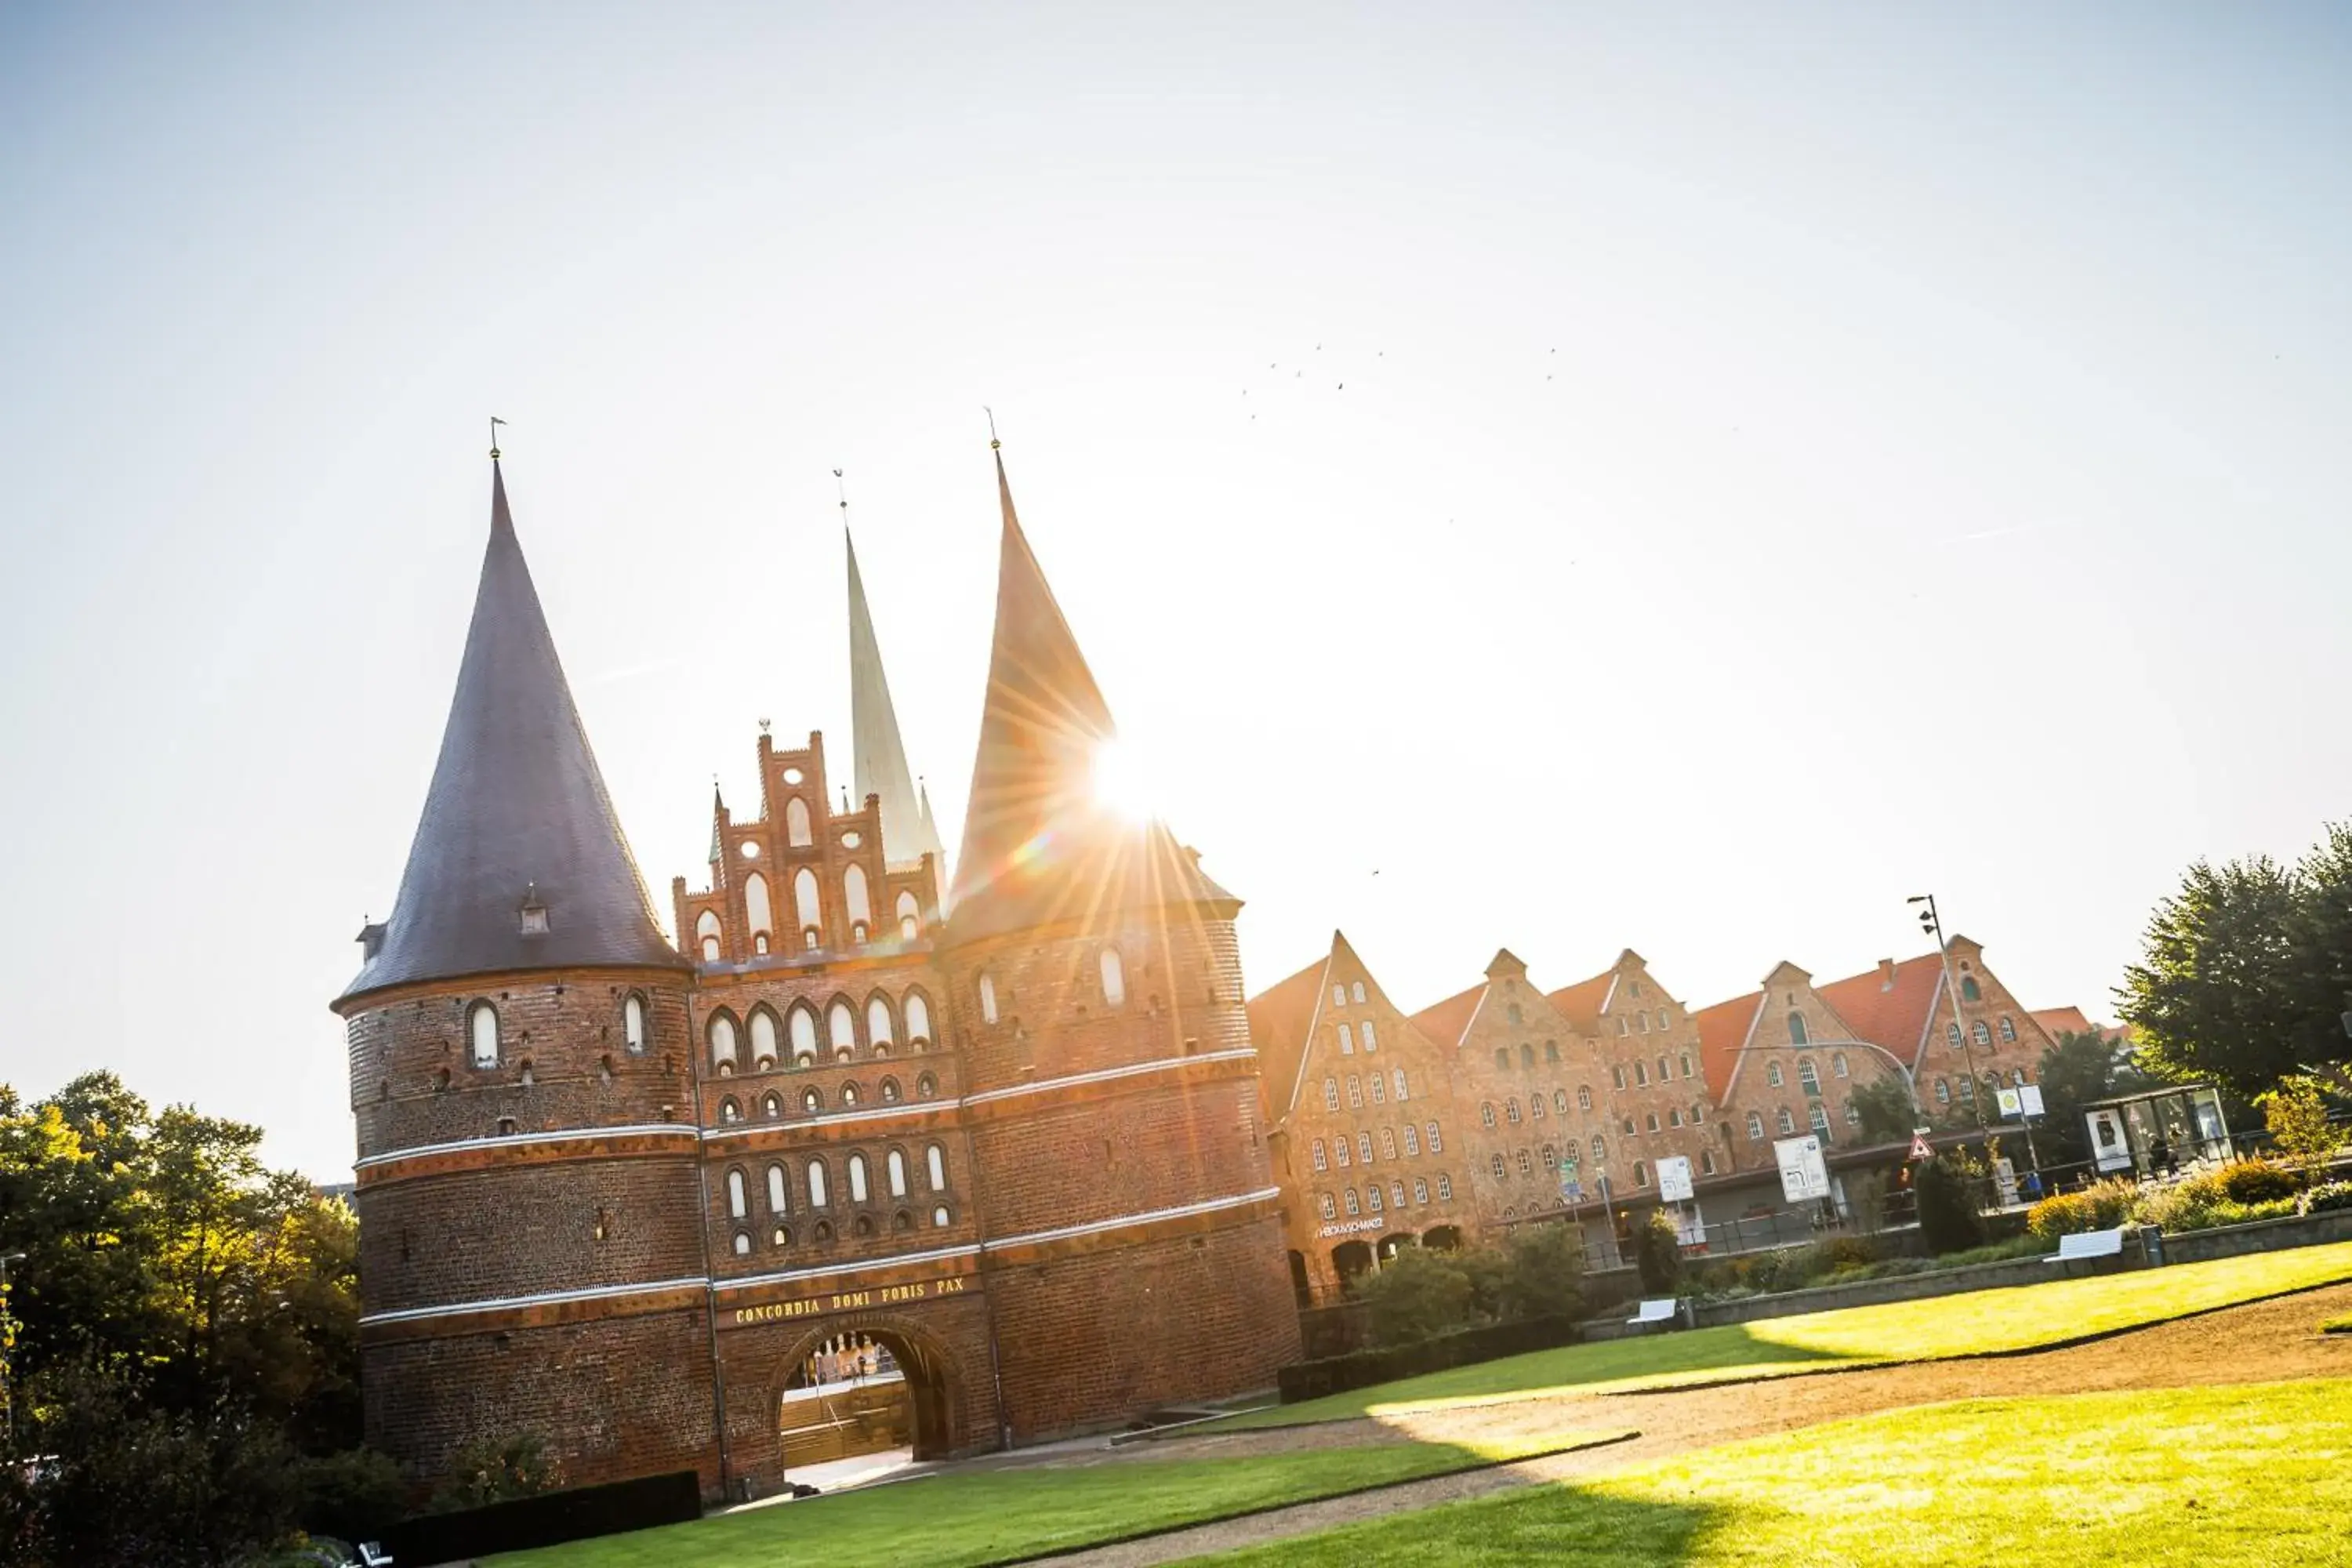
(518, 1041)
(1132, 1225)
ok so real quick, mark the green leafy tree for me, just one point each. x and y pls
(1416, 1295)
(2246, 972)
(1884, 1107)
(1947, 1186)
(1544, 1273)
(2296, 1112)
(1658, 1254)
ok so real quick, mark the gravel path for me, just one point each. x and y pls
(2264, 1341)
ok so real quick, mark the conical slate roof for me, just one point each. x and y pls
(1039, 845)
(877, 755)
(517, 815)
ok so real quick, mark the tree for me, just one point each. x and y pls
(1885, 1108)
(1544, 1273)
(1946, 1186)
(1658, 1253)
(2297, 1114)
(1416, 1295)
(2076, 1070)
(2246, 972)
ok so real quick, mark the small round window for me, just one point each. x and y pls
(749, 849)
(793, 775)
(852, 840)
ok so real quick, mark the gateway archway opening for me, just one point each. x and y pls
(862, 1395)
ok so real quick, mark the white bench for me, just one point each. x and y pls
(372, 1555)
(2088, 1244)
(1658, 1311)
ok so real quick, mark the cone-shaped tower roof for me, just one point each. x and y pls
(518, 862)
(1039, 846)
(878, 756)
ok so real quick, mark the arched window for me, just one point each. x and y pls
(1388, 1144)
(987, 998)
(939, 1216)
(1114, 978)
(773, 1106)
(1486, 1114)
(1952, 1033)
(1444, 1188)
(1380, 1089)
(482, 1029)
(1982, 1031)
(1396, 1084)
(1943, 1093)
(1707, 1161)
(1685, 1060)
(1364, 1147)
(1515, 1012)
(743, 1243)
(1584, 1097)
(911, 916)
(1527, 1166)
(763, 1038)
(1511, 1110)
(1837, 1063)
(926, 1086)
(1617, 1075)
(1412, 1139)
(1331, 1094)
(707, 934)
(1322, 1156)
(1551, 1050)
(1755, 1124)
(802, 1028)
(841, 1030)
(1354, 1204)
(755, 905)
(633, 1024)
(1600, 1149)
(1503, 1058)
(1641, 1071)
(1338, 995)
(1796, 1029)
(1820, 1122)
(1372, 1197)
(1640, 1174)
(723, 1042)
(1526, 1055)
(1355, 1092)
(812, 1099)
(849, 1095)
(1536, 1106)
(878, 1030)
(1429, 1132)
(808, 907)
(1495, 1163)
(796, 821)
(857, 1178)
(1347, 1040)
(918, 1020)
(1665, 1073)
(1970, 990)
(935, 1166)
(889, 1091)
(895, 1166)
(1787, 1122)
(1344, 1150)
(1807, 1076)
(2017, 1078)
(1359, 990)
(1371, 1045)
(1666, 1019)
(1650, 1121)
(1420, 1189)
(1642, 1022)
(1772, 1074)
(2008, 1029)
(738, 1202)
(819, 1191)
(728, 1110)
(1622, 1027)
(854, 896)
(1628, 1126)
(779, 1197)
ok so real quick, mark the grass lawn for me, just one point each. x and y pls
(1975, 1323)
(1000, 1516)
(2257, 1474)
(2342, 1325)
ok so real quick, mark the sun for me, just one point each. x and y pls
(1122, 784)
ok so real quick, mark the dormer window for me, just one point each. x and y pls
(534, 919)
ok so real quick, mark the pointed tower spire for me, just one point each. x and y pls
(517, 814)
(1037, 843)
(877, 755)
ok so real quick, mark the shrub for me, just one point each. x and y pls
(2101, 1207)
(1543, 1273)
(1779, 1269)
(1658, 1253)
(1417, 1295)
(2327, 1197)
(2202, 1202)
(497, 1470)
(1948, 1220)
(2255, 1182)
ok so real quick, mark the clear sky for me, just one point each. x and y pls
(1560, 477)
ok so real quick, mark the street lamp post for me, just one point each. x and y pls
(1933, 923)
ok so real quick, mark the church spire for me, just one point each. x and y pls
(877, 755)
(518, 862)
(1039, 845)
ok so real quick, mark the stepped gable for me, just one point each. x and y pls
(517, 815)
(1039, 848)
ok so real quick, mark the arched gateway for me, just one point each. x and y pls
(856, 1388)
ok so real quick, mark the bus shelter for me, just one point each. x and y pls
(2158, 1129)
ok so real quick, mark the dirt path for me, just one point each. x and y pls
(2264, 1341)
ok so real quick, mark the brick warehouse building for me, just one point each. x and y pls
(619, 1196)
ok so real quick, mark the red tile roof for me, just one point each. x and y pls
(1896, 1016)
(1580, 1004)
(1281, 1020)
(1722, 1030)
(2057, 1021)
(1445, 1023)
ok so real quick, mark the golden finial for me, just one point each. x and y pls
(993, 444)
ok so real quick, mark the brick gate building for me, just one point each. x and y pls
(617, 1196)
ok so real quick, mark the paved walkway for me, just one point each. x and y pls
(2261, 1343)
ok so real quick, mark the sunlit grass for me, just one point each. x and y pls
(964, 1518)
(1977, 1323)
(2219, 1477)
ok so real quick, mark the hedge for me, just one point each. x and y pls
(1361, 1369)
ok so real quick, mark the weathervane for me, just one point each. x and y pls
(993, 444)
(495, 423)
(842, 491)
